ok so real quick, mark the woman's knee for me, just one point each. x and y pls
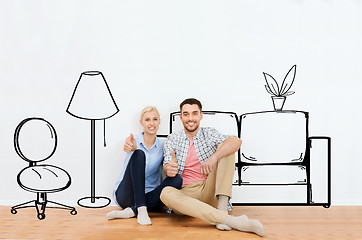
(138, 153)
(138, 157)
(175, 181)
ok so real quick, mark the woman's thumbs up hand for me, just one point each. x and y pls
(130, 144)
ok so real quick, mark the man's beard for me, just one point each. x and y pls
(191, 130)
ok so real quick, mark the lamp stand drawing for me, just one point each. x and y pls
(92, 100)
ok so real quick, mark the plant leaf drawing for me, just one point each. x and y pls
(272, 86)
(288, 82)
(282, 90)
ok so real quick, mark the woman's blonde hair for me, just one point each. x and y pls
(149, 109)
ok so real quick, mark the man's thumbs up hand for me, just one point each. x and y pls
(173, 155)
(130, 144)
(172, 166)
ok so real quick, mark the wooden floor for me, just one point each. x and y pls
(279, 222)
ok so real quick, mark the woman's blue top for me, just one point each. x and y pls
(154, 157)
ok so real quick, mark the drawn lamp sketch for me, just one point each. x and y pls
(35, 140)
(92, 100)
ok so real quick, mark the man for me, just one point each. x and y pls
(205, 160)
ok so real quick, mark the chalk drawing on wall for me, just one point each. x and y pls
(276, 160)
(92, 100)
(278, 163)
(274, 165)
(35, 140)
(280, 91)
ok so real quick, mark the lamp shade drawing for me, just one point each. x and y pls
(92, 100)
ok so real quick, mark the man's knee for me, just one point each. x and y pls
(229, 158)
(165, 193)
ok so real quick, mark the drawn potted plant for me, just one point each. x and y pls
(280, 92)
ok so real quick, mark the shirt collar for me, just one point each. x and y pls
(142, 142)
(197, 136)
(184, 135)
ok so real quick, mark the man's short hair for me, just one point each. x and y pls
(191, 101)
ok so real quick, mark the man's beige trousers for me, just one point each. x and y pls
(199, 199)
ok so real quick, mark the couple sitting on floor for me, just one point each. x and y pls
(199, 164)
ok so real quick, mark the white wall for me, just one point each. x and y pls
(160, 52)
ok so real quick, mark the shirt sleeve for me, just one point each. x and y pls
(167, 147)
(215, 137)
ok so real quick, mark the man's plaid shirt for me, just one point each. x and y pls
(206, 142)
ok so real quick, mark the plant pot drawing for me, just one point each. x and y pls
(278, 102)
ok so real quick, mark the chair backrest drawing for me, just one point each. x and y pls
(274, 137)
(35, 140)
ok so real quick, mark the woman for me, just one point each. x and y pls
(139, 187)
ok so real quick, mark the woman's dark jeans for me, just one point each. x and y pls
(131, 191)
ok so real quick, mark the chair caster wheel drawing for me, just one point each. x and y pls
(73, 212)
(13, 211)
(41, 216)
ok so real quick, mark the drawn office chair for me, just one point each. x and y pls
(35, 140)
